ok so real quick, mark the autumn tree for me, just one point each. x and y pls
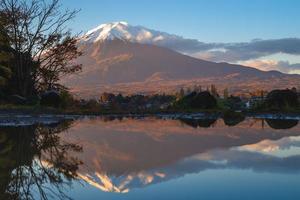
(197, 88)
(213, 91)
(181, 93)
(43, 48)
(225, 93)
(188, 91)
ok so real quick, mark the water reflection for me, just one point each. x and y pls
(233, 120)
(282, 124)
(204, 123)
(32, 157)
(118, 154)
(133, 153)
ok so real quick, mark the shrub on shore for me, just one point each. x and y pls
(194, 100)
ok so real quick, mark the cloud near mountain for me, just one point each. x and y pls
(268, 65)
(248, 53)
(233, 52)
(241, 52)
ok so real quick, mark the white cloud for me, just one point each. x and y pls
(268, 65)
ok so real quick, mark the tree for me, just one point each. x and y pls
(5, 71)
(280, 99)
(181, 93)
(234, 103)
(51, 99)
(294, 90)
(226, 93)
(258, 93)
(43, 48)
(197, 88)
(213, 91)
(5, 74)
(202, 100)
(56, 63)
(107, 97)
(188, 91)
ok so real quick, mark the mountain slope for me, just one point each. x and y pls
(119, 61)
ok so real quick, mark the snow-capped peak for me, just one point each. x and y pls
(124, 31)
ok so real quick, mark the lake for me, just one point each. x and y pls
(116, 157)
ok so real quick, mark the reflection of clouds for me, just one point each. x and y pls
(283, 147)
(237, 159)
(265, 146)
(258, 162)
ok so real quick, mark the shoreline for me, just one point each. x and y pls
(17, 119)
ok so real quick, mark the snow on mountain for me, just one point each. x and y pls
(124, 31)
(139, 34)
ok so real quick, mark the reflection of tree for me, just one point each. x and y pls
(34, 161)
(205, 123)
(110, 118)
(234, 120)
(282, 124)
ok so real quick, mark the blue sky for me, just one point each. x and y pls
(209, 21)
(206, 20)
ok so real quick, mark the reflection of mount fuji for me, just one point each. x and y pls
(120, 155)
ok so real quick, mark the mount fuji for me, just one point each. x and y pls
(121, 58)
(139, 34)
(124, 31)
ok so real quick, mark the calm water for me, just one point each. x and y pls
(151, 158)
